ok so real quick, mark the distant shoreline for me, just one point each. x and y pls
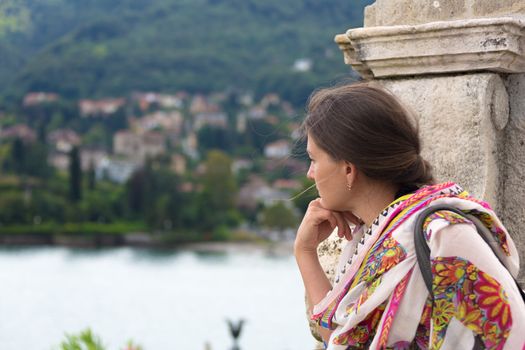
(139, 240)
(284, 247)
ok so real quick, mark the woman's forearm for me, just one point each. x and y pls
(315, 282)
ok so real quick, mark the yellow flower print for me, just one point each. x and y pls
(443, 312)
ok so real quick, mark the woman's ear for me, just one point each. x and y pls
(351, 173)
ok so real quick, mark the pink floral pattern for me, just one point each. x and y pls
(361, 335)
(386, 254)
(473, 297)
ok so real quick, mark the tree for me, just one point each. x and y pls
(135, 189)
(215, 138)
(305, 195)
(219, 189)
(18, 156)
(75, 176)
(91, 176)
(279, 217)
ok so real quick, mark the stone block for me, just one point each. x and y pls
(395, 12)
(513, 194)
(489, 44)
(461, 120)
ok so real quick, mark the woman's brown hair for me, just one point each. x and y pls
(366, 125)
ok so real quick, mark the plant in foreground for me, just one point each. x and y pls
(87, 340)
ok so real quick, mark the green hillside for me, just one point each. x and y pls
(108, 48)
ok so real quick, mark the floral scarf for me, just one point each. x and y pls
(379, 299)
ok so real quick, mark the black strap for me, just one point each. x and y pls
(423, 250)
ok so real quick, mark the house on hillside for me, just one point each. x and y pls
(92, 157)
(290, 165)
(153, 144)
(58, 160)
(241, 123)
(126, 143)
(190, 145)
(165, 101)
(241, 164)
(217, 120)
(270, 99)
(116, 170)
(100, 108)
(278, 149)
(36, 98)
(63, 140)
(286, 184)
(258, 192)
(138, 147)
(170, 121)
(178, 164)
(257, 112)
(296, 132)
(19, 131)
(200, 104)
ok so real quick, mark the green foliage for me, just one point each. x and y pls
(85, 340)
(76, 229)
(216, 200)
(279, 216)
(259, 133)
(107, 48)
(25, 159)
(75, 175)
(215, 138)
(13, 208)
(305, 195)
(97, 136)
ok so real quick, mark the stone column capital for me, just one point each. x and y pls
(468, 45)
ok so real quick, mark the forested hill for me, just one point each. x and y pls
(94, 48)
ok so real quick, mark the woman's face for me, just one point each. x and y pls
(330, 177)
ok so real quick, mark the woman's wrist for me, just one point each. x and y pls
(304, 249)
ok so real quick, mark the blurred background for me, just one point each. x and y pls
(152, 171)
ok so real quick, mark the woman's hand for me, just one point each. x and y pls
(318, 223)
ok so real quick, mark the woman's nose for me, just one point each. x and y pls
(310, 173)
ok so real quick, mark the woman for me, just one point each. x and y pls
(367, 167)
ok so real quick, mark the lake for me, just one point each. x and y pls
(162, 299)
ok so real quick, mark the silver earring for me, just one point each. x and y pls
(349, 187)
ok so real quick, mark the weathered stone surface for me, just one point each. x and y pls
(351, 58)
(513, 195)
(461, 119)
(490, 44)
(394, 12)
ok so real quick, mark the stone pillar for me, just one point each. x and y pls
(458, 64)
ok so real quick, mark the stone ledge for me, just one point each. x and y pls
(494, 44)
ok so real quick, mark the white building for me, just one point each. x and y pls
(278, 149)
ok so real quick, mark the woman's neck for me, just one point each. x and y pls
(373, 201)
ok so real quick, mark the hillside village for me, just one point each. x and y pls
(116, 137)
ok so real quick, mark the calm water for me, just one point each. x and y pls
(162, 300)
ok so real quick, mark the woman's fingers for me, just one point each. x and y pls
(343, 228)
(352, 218)
(317, 214)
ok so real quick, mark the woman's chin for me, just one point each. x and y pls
(326, 204)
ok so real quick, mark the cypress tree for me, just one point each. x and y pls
(91, 176)
(75, 175)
